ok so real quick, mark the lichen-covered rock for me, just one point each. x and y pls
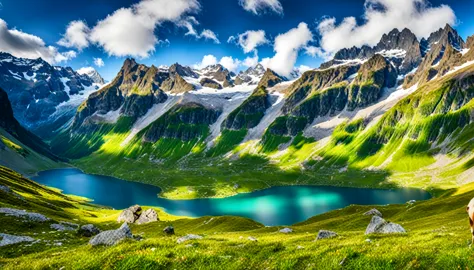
(24, 214)
(286, 230)
(7, 239)
(373, 212)
(61, 227)
(188, 237)
(169, 230)
(324, 234)
(88, 230)
(112, 237)
(129, 215)
(147, 216)
(380, 225)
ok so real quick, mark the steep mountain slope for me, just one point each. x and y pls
(43, 97)
(92, 74)
(375, 118)
(19, 148)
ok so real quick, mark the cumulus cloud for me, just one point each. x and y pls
(207, 60)
(85, 70)
(130, 31)
(259, 6)
(230, 63)
(208, 34)
(250, 40)
(381, 16)
(76, 35)
(99, 62)
(21, 44)
(250, 61)
(287, 47)
(227, 61)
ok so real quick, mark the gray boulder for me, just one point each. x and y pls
(380, 225)
(61, 227)
(373, 212)
(323, 234)
(188, 237)
(23, 214)
(88, 230)
(112, 237)
(286, 230)
(7, 239)
(147, 216)
(129, 215)
(169, 230)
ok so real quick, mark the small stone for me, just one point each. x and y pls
(7, 239)
(286, 230)
(299, 247)
(61, 227)
(129, 215)
(379, 225)
(410, 202)
(253, 239)
(169, 230)
(368, 240)
(153, 249)
(323, 234)
(88, 230)
(373, 212)
(188, 237)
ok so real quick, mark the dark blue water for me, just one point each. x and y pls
(273, 206)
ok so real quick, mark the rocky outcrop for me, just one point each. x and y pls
(270, 79)
(206, 82)
(250, 112)
(251, 76)
(182, 71)
(35, 217)
(130, 215)
(188, 237)
(112, 237)
(88, 230)
(379, 225)
(373, 212)
(8, 239)
(324, 234)
(147, 216)
(177, 85)
(286, 230)
(63, 227)
(218, 73)
(92, 74)
(186, 122)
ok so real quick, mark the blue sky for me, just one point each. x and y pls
(48, 20)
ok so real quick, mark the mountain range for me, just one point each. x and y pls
(399, 109)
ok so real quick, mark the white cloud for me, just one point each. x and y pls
(381, 16)
(227, 61)
(249, 40)
(259, 6)
(317, 52)
(207, 60)
(130, 31)
(208, 34)
(250, 61)
(21, 44)
(85, 70)
(76, 35)
(286, 49)
(230, 63)
(99, 62)
(189, 23)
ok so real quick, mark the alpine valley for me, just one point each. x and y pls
(396, 115)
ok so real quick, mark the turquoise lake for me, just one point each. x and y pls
(274, 206)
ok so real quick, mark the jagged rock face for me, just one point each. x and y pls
(182, 71)
(445, 36)
(35, 89)
(251, 75)
(270, 79)
(184, 121)
(315, 80)
(92, 74)
(135, 89)
(402, 48)
(249, 114)
(470, 42)
(219, 73)
(206, 82)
